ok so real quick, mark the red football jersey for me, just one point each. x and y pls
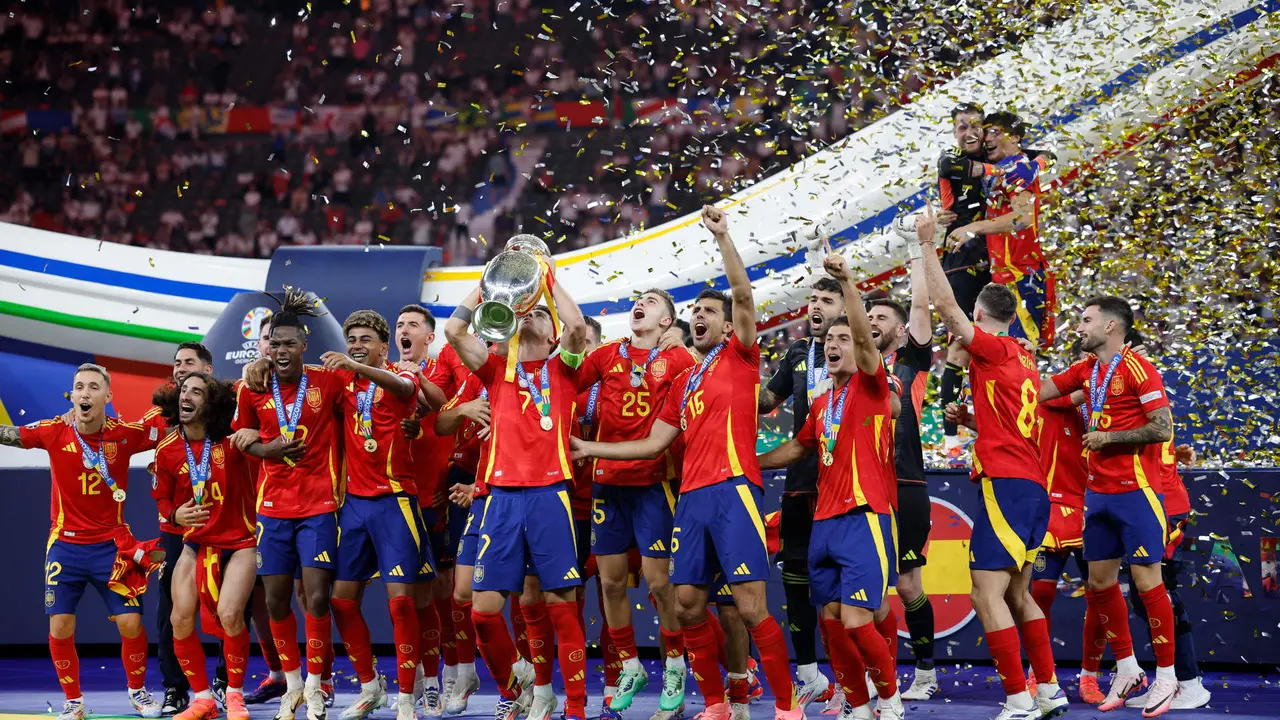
(580, 486)
(229, 492)
(466, 444)
(255, 463)
(1011, 254)
(861, 471)
(1006, 391)
(153, 419)
(81, 508)
(1176, 499)
(314, 484)
(447, 371)
(390, 467)
(720, 440)
(1135, 390)
(624, 412)
(520, 452)
(430, 452)
(1061, 452)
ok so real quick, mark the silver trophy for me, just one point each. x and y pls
(510, 287)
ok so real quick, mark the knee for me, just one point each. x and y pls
(62, 626)
(130, 624)
(462, 596)
(689, 614)
(751, 607)
(909, 587)
(614, 587)
(279, 608)
(318, 603)
(232, 621)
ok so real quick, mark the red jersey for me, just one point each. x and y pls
(313, 485)
(580, 486)
(1135, 390)
(1013, 253)
(82, 510)
(466, 443)
(625, 412)
(389, 468)
(520, 452)
(1006, 391)
(153, 419)
(720, 439)
(228, 492)
(1176, 499)
(861, 472)
(1061, 451)
(430, 451)
(255, 463)
(447, 371)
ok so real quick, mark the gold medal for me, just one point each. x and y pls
(545, 423)
(118, 495)
(828, 459)
(684, 423)
(370, 445)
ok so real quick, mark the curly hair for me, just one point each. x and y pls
(219, 404)
(367, 319)
(296, 305)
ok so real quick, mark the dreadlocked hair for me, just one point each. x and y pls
(296, 305)
(219, 404)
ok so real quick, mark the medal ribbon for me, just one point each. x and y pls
(541, 397)
(97, 459)
(695, 380)
(1098, 394)
(589, 418)
(288, 426)
(815, 374)
(831, 425)
(639, 370)
(364, 406)
(199, 474)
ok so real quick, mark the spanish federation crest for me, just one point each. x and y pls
(1041, 563)
(477, 575)
(659, 368)
(48, 598)
(1117, 385)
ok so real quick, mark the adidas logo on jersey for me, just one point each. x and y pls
(396, 572)
(71, 447)
(741, 570)
(911, 555)
(618, 368)
(658, 547)
(1141, 552)
(861, 595)
(572, 574)
(322, 557)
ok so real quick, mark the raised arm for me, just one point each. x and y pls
(471, 351)
(660, 438)
(401, 387)
(11, 436)
(865, 352)
(574, 339)
(920, 324)
(1022, 215)
(939, 290)
(783, 455)
(744, 304)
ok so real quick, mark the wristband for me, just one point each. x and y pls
(462, 313)
(573, 360)
(173, 517)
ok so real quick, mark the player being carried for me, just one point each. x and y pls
(718, 533)
(527, 525)
(89, 461)
(205, 486)
(852, 555)
(1015, 511)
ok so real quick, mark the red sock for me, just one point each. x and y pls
(1035, 638)
(448, 646)
(355, 637)
(1006, 653)
(1160, 618)
(624, 638)
(284, 633)
(877, 658)
(518, 629)
(267, 646)
(739, 690)
(66, 662)
(847, 662)
(674, 642)
(190, 656)
(1043, 592)
(541, 638)
(133, 652)
(1095, 639)
(775, 661)
(609, 653)
(320, 643)
(235, 650)
(704, 659)
(1114, 614)
(327, 673)
(429, 642)
(572, 652)
(582, 611)
(499, 653)
(722, 658)
(888, 629)
(464, 631)
(404, 628)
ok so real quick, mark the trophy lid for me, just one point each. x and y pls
(525, 242)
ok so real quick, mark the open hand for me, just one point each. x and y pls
(191, 515)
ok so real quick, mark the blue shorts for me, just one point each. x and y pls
(1010, 524)
(382, 535)
(469, 544)
(852, 560)
(1036, 308)
(444, 531)
(1129, 525)
(723, 592)
(627, 516)
(69, 568)
(719, 529)
(287, 544)
(527, 531)
(1051, 563)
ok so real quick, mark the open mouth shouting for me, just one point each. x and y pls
(637, 313)
(405, 343)
(699, 329)
(84, 405)
(186, 411)
(972, 144)
(834, 357)
(816, 321)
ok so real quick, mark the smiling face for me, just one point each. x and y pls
(1094, 328)
(967, 130)
(185, 362)
(365, 347)
(192, 399)
(288, 342)
(1001, 144)
(413, 335)
(709, 324)
(90, 393)
(650, 314)
(839, 351)
(264, 341)
(824, 307)
(887, 328)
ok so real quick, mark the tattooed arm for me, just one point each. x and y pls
(1159, 429)
(11, 436)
